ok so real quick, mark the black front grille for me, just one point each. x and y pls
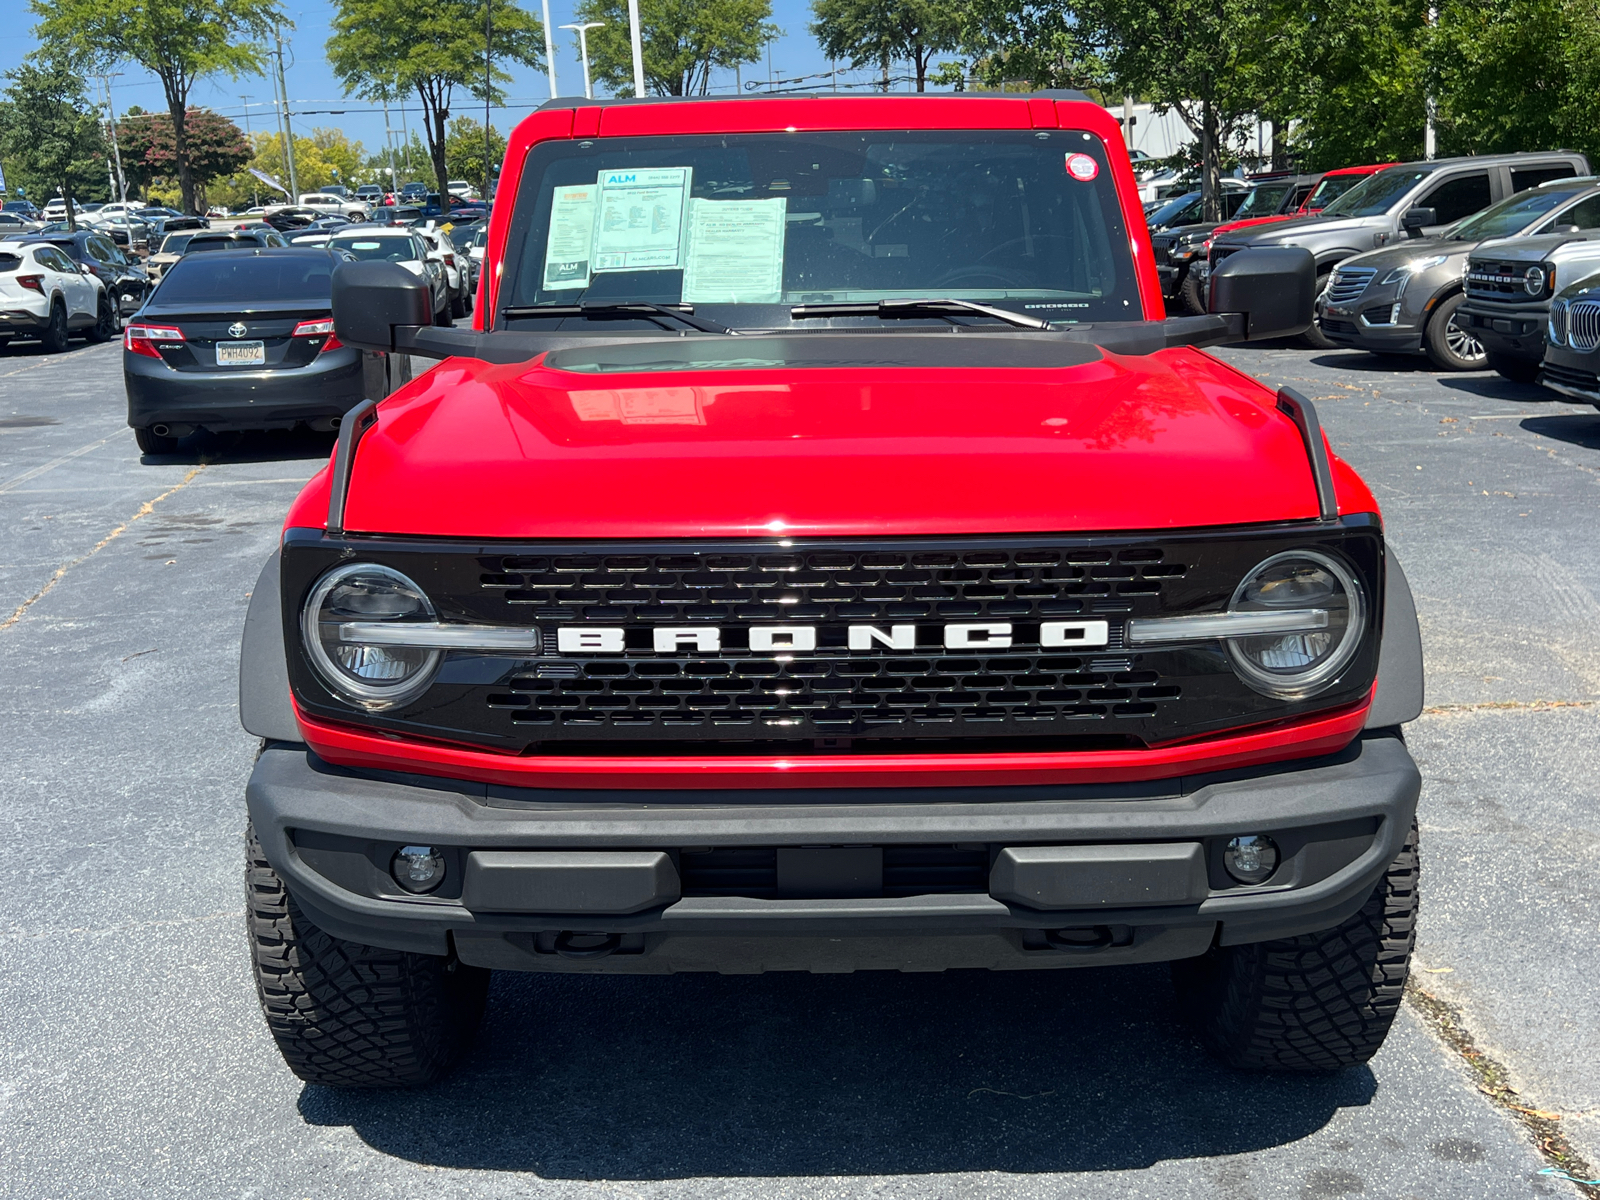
(907, 871)
(908, 686)
(1334, 325)
(1556, 373)
(1496, 280)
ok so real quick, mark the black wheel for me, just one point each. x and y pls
(56, 334)
(1313, 337)
(458, 304)
(1518, 370)
(441, 315)
(1450, 345)
(1318, 1002)
(105, 322)
(351, 1016)
(154, 443)
(1193, 295)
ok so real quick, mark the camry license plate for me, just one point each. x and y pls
(241, 354)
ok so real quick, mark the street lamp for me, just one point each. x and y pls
(583, 52)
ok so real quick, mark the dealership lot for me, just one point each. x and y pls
(134, 1061)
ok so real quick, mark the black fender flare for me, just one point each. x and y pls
(265, 708)
(1399, 696)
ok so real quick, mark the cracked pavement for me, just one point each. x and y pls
(134, 1062)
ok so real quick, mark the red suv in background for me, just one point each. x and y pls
(824, 553)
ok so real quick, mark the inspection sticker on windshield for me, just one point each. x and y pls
(567, 250)
(639, 225)
(1082, 168)
(735, 251)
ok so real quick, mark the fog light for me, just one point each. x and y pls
(1250, 859)
(421, 868)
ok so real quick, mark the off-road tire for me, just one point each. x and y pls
(1192, 294)
(1317, 1002)
(154, 443)
(1313, 337)
(56, 334)
(1509, 366)
(352, 1016)
(1437, 340)
(105, 321)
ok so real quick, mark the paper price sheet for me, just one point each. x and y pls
(735, 251)
(639, 225)
(568, 249)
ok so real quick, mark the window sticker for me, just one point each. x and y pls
(735, 252)
(639, 223)
(1082, 168)
(571, 239)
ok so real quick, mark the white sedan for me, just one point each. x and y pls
(43, 294)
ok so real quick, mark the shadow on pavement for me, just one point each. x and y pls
(273, 445)
(1498, 387)
(591, 1077)
(1580, 429)
(1365, 360)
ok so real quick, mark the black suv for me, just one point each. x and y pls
(126, 280)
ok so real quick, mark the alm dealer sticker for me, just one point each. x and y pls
(1082, 168)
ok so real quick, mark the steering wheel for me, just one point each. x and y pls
(1014, 242)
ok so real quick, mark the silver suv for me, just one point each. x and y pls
(1408, 200)
(1405, 298)
(1509, 287)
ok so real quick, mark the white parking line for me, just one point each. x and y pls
(53, 463)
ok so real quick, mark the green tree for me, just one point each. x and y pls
(1356, 89)
(878, 32)
(48, 131)
(1212, 61)
(683, 41)
(1514, 75)
(178, 41)
(464, 149)
(382, 49)
(1038, 42)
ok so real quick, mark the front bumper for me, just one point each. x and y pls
(1511, 330)
(1572, 373)
(331, 833)
(222, 400)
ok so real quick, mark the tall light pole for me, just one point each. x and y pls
(111, 111)
(638, 48)
(255, 192)
(488, 91)
(583, 52)
(550, 51)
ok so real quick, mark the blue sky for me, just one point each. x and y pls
(311, 84)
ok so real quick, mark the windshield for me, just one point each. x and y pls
(379, 249)
(272, 278)
(1330, 189)
(1172, 208)
(1023, 220)
(1376, 194)
(1264, 200)
(1515, 213)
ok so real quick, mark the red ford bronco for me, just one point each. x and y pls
(823, 554)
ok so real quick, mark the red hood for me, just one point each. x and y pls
(1173, 439)
(1230, 226)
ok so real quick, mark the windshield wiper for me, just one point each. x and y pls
(889, 310)
(601, 309)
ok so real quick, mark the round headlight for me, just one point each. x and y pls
(1533, 280)
(371, 676)
(1292, 666)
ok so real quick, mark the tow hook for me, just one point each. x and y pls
(587, 945)
(1083, 939)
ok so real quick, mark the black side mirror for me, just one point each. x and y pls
(1272, 289)
(379, 305)
(1414, 219)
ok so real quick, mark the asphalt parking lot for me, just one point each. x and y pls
(133, 1058)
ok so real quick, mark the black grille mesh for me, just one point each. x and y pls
(838, 692)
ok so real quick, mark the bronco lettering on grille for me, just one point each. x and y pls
(707, 639)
